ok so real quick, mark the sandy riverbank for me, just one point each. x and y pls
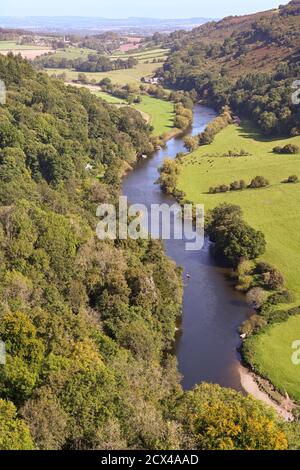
(250, 385)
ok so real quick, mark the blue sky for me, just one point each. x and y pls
(145, 8)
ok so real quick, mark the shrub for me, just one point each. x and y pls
(273, 279)
(292, 179)
(223, 188)
(245, 279)
(253, 325)
(256, 297)
(191, 143)
(284, 297)
(259, 182)
(238, 185)
(270, 276)
(234, 153)
(278, 317)
(262, 267)
(179, 195)
(244, 283)
(235, 186)
(245, 267)
(289, 149)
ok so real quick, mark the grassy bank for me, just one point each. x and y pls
(160, 113)
(275, 210)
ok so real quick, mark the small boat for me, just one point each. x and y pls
(188, 276)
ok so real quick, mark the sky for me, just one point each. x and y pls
(138, 8)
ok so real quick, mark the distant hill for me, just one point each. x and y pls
(89, 25)
(260, 41)
(248, 62)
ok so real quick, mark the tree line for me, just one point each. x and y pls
(93, 63)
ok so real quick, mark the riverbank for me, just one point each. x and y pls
(252, 384)
(208, 336)
(212, 310)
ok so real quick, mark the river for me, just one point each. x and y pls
(206, 346)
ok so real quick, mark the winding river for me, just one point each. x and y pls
(207, 343)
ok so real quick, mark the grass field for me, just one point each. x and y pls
(117, 76)
(74, 53)
(274, 210)
(12, 45)
(160, 113)
(144, 55)
(109, 98)
(273, 356)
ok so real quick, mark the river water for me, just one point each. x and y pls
(212, 309)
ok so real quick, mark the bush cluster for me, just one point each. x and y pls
(214, 127)
(289, 149)
(257, 182)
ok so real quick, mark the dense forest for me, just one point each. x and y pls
(248, 63)
(89, 325)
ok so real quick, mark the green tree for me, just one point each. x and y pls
(222, 419)
(14, 434)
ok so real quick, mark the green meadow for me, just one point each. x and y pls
(109, 98)
(74, 53)
(273, 356)
(12, 46)
(159, 113)
(274, 210)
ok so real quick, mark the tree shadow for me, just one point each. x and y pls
(248, 131)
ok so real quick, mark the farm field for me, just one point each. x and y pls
(74, 53)
(27, 51)
(143, 56)
(12, 45)
(133, 75)
(274, 210)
